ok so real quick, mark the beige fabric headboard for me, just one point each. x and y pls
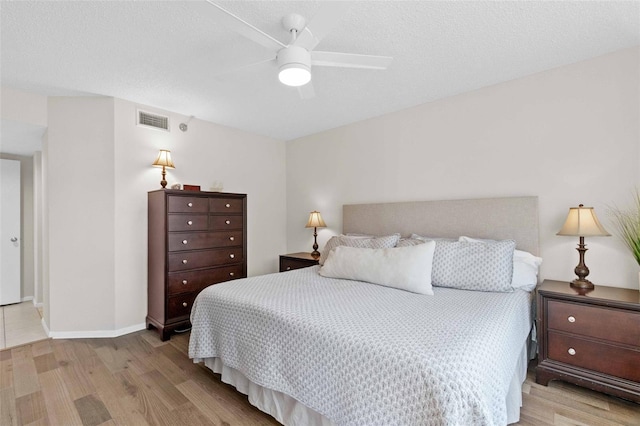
(498, 218)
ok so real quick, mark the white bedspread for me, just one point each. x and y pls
(362, 354)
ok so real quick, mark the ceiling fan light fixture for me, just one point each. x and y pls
(295, 66)
(294, 75)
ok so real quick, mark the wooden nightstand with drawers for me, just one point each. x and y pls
(291, 261)
(590, 339)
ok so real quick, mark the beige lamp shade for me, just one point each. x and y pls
(164, 159)
(582, 222)
(315, 220)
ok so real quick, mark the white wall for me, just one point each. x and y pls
(569, 135)
(99, 166)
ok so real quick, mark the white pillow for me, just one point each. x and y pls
(358, 241)
(404, 268)
(525, 267)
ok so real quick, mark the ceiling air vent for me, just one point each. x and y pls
(154, 121)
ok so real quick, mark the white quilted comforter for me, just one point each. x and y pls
(363, 354)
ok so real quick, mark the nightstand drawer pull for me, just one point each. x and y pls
(189, 222)
(232, 255)
(228, 222)
(190, 204)
(232, 238)
(184, 261)
(184, 282)
(571, 318)
(571, 351)
(185, 304)
(227, 205)
(288, 268)
(231, 274)
(184, 242)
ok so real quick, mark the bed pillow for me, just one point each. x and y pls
(480, 266)
(360, 242)
(404, 268)
(420, 237)
(525, 267)
(408, 242)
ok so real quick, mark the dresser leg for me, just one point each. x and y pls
(543, 377)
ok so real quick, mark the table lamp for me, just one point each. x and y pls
(315, 222)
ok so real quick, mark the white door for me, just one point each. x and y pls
(9, 231)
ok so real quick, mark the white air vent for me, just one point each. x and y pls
(154, 121)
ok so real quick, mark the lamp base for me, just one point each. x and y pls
(315, 254)
(582, 283)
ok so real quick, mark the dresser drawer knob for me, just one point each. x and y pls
(228, 222)
(571, 318)
(189, 222)
(185, 304)
(184, 282)
(184, 261)
(571, 351)
(184, 242)
(232, 274)
(232, 255)
(232, 238)
(227, 205)
(190, 204)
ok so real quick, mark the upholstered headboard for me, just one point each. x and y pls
(498, 218)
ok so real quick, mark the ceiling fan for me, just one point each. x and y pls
(294, 60)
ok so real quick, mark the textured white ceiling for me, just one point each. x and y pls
(174, 55)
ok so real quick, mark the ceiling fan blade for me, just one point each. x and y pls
(350, 60)
(242, 68)
(245, 29)
(321, 24)
(307, 91)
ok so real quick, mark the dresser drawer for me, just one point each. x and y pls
(593, 355)
(188, 222)
(226, 205)
(594, 321)
(181, 282)
(179, 306)
(203, 240)
(182, 261)
(186, 204)
(224, 222)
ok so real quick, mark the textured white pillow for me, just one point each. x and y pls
(525, 267)
(358, 241)
(404, 268)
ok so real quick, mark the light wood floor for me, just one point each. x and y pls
(138, 380)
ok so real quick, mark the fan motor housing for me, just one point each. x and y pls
(294, 55)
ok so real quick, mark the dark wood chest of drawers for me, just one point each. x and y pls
(195, 239)
(590, 339)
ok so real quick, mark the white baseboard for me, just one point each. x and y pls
(95, 333)
(46, 329)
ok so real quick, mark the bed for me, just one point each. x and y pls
(314, 350)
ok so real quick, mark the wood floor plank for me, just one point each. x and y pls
(92, 410)
(78, 383)
(41, 347)
(163, 389)
(8, 413)
(6, 372)
(45, 362)
(150, 407)
(25, 377)
(31, 408)
(60, 407)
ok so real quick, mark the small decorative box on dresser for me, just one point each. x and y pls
(195, 239)
(590, 339)
(291, 261)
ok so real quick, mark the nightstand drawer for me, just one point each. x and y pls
(595, 322)
(597, 356)
(289, 264)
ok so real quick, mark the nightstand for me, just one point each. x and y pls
(291, 261)
(591, 339)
